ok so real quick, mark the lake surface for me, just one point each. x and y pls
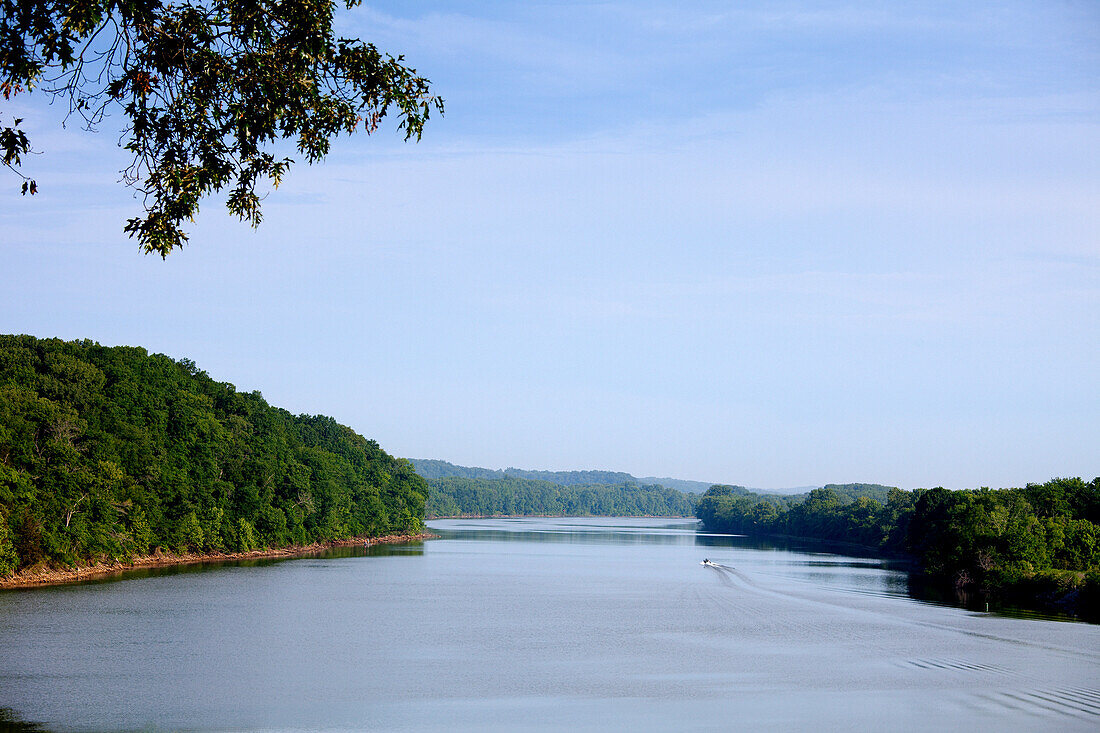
(538, 624)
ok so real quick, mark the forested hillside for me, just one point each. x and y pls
(472, 491)
(1043, 538)
(454, 496)
(431, 469)
(689, 487)
(112, 452)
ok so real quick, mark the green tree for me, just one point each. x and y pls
(246, 537)
(205, 87)
(9, 560)
(1080, 548)
(141, 536)
(189, 534)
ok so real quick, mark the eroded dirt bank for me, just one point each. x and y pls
(42, 575)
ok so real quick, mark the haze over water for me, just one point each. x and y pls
(534, 624)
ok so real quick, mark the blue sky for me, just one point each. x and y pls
(772, 244)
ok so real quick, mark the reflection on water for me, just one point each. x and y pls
(539, 624)
(10, 723)
(801, 554)
(586, 530)
(409, 548)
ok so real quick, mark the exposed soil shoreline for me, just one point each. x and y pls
(41, 575)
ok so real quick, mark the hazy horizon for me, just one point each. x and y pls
(775, 489)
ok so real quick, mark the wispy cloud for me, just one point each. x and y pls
(507, 51)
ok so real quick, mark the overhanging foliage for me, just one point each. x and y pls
(206, 89)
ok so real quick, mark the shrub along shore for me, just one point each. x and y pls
(43, 574)
(1037, 546)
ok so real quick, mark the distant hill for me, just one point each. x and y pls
(432, 469)
(574, 478)
(787, 491)
(689, 487)
(429, 469)
(474, 491)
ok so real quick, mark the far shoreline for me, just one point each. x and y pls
(40, 576)
(560, 516)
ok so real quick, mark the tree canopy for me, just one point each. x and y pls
(206, 88)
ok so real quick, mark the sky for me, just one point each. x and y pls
(769, 244)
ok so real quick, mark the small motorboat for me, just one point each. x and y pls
(708, 563)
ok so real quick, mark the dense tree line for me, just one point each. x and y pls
(112, 452)
(509, 495)
(1041, 538)
(741, 511)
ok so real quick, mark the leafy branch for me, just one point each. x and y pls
(206, 88)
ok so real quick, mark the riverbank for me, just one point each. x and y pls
(1066, 593)
(42, 575)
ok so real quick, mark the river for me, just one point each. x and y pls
(537, 624)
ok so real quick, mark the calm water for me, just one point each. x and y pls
(538, 624)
